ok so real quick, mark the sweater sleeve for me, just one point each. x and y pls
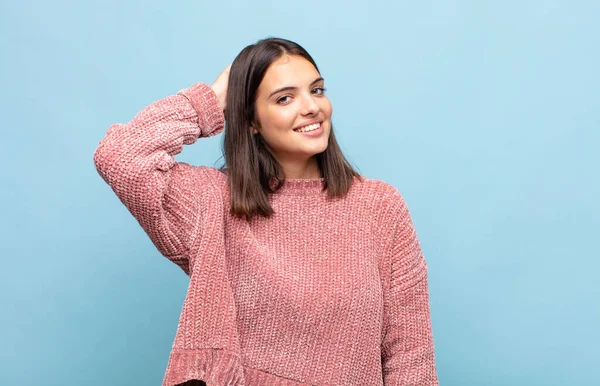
(407, 347)
(136, 160)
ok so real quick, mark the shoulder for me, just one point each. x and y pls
(381, 203)
(382, 194)
(217, 177)
(193, 180)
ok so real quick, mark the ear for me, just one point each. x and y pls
(254, 128)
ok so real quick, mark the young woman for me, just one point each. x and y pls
(302, 271)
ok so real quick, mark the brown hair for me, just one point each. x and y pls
(251, 168)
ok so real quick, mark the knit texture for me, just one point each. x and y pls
(325, 292)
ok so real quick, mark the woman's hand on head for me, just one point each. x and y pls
(220, 87)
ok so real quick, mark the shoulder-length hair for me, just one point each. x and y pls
(252, 170)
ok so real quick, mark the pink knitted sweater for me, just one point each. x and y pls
(325, 292)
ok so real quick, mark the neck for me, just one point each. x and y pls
(305, 170)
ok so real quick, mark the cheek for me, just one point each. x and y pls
(327, 108)
(279, 119)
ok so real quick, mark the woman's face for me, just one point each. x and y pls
(291, 96)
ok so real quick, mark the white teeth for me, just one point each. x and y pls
(312, 127)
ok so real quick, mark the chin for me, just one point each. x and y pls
(318, 150)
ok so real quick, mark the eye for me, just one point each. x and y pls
(282, 100)
(319, 90)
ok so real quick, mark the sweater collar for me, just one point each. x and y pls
(297, 185)
(302, 186)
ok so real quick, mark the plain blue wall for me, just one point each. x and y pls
(485, 116)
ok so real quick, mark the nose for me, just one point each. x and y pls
(309, 105)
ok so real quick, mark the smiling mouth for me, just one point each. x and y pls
(308, 128)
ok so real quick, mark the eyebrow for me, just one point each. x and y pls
(293, 88)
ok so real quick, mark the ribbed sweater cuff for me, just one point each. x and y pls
(216, 367)
(211, 119)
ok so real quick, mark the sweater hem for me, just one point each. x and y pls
(216, 367)
(256, 377)
(219, 367)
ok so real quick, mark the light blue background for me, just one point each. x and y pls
(485, 115)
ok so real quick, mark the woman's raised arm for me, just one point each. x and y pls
(136, 160)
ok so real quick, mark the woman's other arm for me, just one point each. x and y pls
(407, 347)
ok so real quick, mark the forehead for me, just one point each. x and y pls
(289, 70)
